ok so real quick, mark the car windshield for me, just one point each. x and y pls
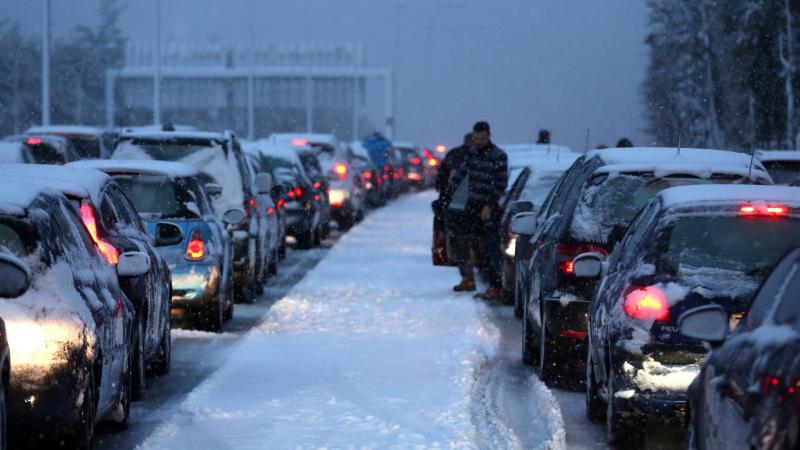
(783, 172)
(159, 197)
(613, 201)
(750, 245)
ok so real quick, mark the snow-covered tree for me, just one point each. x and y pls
(20, 80)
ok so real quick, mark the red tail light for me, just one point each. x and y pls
(196, 248)
(317, 197)
(317, 185)
(281, 203)
(270, 211)
(763, 210)
(252, 207)
(341, 170)
(110, 253)
(565, 253)
(297, 192)
(291, 194)
(367, 175)
(416, 161)
(300, 142)
(769, 383)
(34, 141)
(646, 303)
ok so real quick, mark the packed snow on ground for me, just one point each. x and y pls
(370, 350)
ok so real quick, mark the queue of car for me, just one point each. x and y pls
(639, 261)
(108, 238)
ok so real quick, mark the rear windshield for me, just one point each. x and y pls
(750, 245)
(538, 187)
(46, 154)
(614, 200)
(11, 241)
(209, 157)
(783, 172)
(159, 197)
(87, 147)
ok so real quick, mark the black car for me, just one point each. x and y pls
(115, 227)
(201, 263)
(72, 335)
(588, 211)
(221, 162)
(15, 278)
(321, 187)
(88, 142)
(46, 149)
(690, 246)
(747, 394)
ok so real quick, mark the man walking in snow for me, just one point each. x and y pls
(477, 181)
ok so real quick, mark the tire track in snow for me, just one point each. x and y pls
(510, 407)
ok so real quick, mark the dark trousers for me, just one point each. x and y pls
(472, 243)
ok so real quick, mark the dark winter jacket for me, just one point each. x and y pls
(487, 169)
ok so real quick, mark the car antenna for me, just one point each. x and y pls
(558, 154)
(586, 146)
(679, 145)
(752, 158)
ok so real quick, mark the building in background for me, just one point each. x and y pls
(253, 90)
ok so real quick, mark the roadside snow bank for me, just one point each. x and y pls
(370, 350)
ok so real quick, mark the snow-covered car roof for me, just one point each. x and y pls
(158, 134)
(700, 169)
(405, 144)
(11, 152)
(312, 138)
(651, 157)
(778, 155)
(66, 129)
(15, 198)
(287, 152)
(139, 166)
(151, 128)
(686, 196)
(543, 161)
(359, 150)
(535, 148)
(72, 181)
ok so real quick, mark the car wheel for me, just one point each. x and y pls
(214, 318)
(163, 363)
(318, 237)
(273, 267)
(282, 251)
(623, 432)
(305, 239)
(530, 355)
(244, 294)
(138, 380)
(82, 435)
(123, 413)
(595, 407)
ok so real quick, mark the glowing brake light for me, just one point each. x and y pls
(317, 185)
(367, 175)
(297, 192)
(252, 207)
(300, 142)
(341, 170)
(646, 303)
(433, 162)
(34, 141)
(763, 210)
(441, 149)
(416, 161)
(195, 249)
(109, 252)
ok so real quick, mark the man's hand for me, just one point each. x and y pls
(486, 213)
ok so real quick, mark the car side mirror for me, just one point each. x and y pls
(214, 190)
(234, 217)
(168, 234)
(133, 264)
(523, 224)
(15, 276)
(708, 323)
(588, 265)
(521, 207)
(263, 183)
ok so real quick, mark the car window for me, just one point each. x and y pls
(11, 241)
(108, 215)
(565, 185)
(637, 231)
(125, 213)
(783, 172)
(787, 311)
(765, 299)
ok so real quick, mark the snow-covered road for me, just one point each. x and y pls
(371, 349)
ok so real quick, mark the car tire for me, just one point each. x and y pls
(530, 354)
(138, 379)
(623, 432)
(282, 251)
(595, 406)
(305, 239)
(121, 417)
(214, 318)
(517, 303)
(272, 270)
(164, 361)
(82, 434)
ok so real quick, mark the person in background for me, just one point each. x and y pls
(452, 158)
(440, 248)
(544, 137)
(624, 143)
(474, 190)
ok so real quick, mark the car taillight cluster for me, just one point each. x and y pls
(565, 253)
(772, 385)
(763, 210)
(251, 208)
(415, 160)
(647, 303)
(196, 248)
(340, 169)
(110, 253)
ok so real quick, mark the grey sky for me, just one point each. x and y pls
(567, 65)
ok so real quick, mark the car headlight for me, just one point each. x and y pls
(337, 197)
(511, 249)
(25, 338)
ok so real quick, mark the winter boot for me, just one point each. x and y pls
(467, 285)
(491, 294)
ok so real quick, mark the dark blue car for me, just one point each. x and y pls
(201, 263)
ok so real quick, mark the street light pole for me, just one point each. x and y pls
(46, 65)
(157, 72)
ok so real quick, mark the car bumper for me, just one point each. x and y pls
(195, 286)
